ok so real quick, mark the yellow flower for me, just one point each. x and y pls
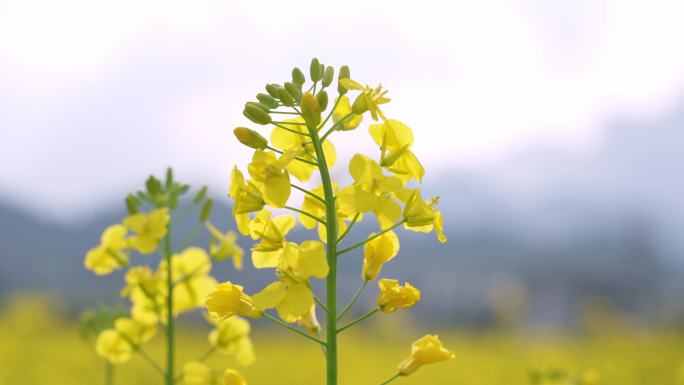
(231, 337)
(271, 232)
(377, 252)
(112, 252)
(247, 198)
(394, 296)
(269, 174)
(315, 207)
(372, 191)
(111, 346)
(287, 140)
(232, 377)
(228, 300)
(395, 139)
(140, 278)
(292, 296)
(426, 350)
(223, 246)
(192, 282)
(196, 373)
(421, 216)
(368, 100)
(341, 111)
(149, 228)
(118, 344)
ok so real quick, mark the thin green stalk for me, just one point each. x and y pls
(207, 354)
(330, 113)
(296, 158)
(289, 129)
(109, 373)
(335, 126)
(331, 280)
(353, 300)
(307, 192)
(323, 306)
(357, 320)
(284, 112)
(394, 377)
(170, 332)
(352, 247)
(191, 236)
(344, 234)
(290, 328)
(319, 220)
(150, 361)
(291, 123)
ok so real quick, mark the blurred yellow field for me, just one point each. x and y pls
(41, 346)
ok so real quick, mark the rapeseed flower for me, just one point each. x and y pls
(342, 111)
(231, 337)
(196, 373)
(111, 254)
(426, 350)
(377, 252)
(246, 197)
(192, 282)
(223, 245)
(271, 232)
(269, 175)
(395, 140)
(149, 229)
(286, 140)
(394, 296)
(422, 216)
(232, 377)
(228, 299)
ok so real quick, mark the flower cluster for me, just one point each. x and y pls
(180, 282)
(297, 157)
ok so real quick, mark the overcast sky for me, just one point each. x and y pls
(96, 95)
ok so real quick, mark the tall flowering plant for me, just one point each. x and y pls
(302, 121)
(166, 278)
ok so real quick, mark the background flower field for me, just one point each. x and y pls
(41, 345)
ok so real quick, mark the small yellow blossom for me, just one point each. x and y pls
(111, 254)
(369, 99)
(196, 373)
(377, 252)
(395, 139)
(111, 346)
(231, 337)
(232, 377)
(134, 332)
(421, 215)
(229, 299)
(149, 229)
(246, 197)
(271, 232)
(192, 282)
(394, 296)
(426, 350)
(287, 140)
(224, 246)
(343, 110)
(269, 174)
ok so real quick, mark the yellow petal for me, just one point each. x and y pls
(270, 296)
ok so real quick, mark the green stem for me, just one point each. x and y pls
(170, 335)
(357, 320)
(319, 220)
(323, 306)
(352, 247)
(296, 158)
(207, 354)
(330, 113)
(307, 192)
(191, 237)
(109, 373)
(335, 126)
(331, 280)
(151, 361)
(290, 328)
(351, 224)
(289, 129)
(353, 300)
(394, 377)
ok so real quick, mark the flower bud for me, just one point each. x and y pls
(311, 110)
(292, 90)
(267, 100)
(328, 76)
(322, 98)
(344, 74)
(298, 76)
(272, 89)
(228, 300)
(426, 350)
(394, 296)
(285, 97)
(256, 113)
(250, 138)
(132, 204)
(205, 211)
(315, 70)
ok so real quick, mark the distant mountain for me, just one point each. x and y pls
(559, 228)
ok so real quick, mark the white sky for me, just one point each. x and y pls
(95, 95)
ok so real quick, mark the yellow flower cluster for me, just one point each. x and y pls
(179, 284)
(300, 146)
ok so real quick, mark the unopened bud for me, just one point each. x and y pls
(322, 99)
(344, 74)
(205, 211)
(292, 89)
(298, 76)
(268, 100)
(315, 70)
(250, 138)
(285, 97)
(311, 110)
(328, 76)
(132, 204)
(256, 114)
(272, 89)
